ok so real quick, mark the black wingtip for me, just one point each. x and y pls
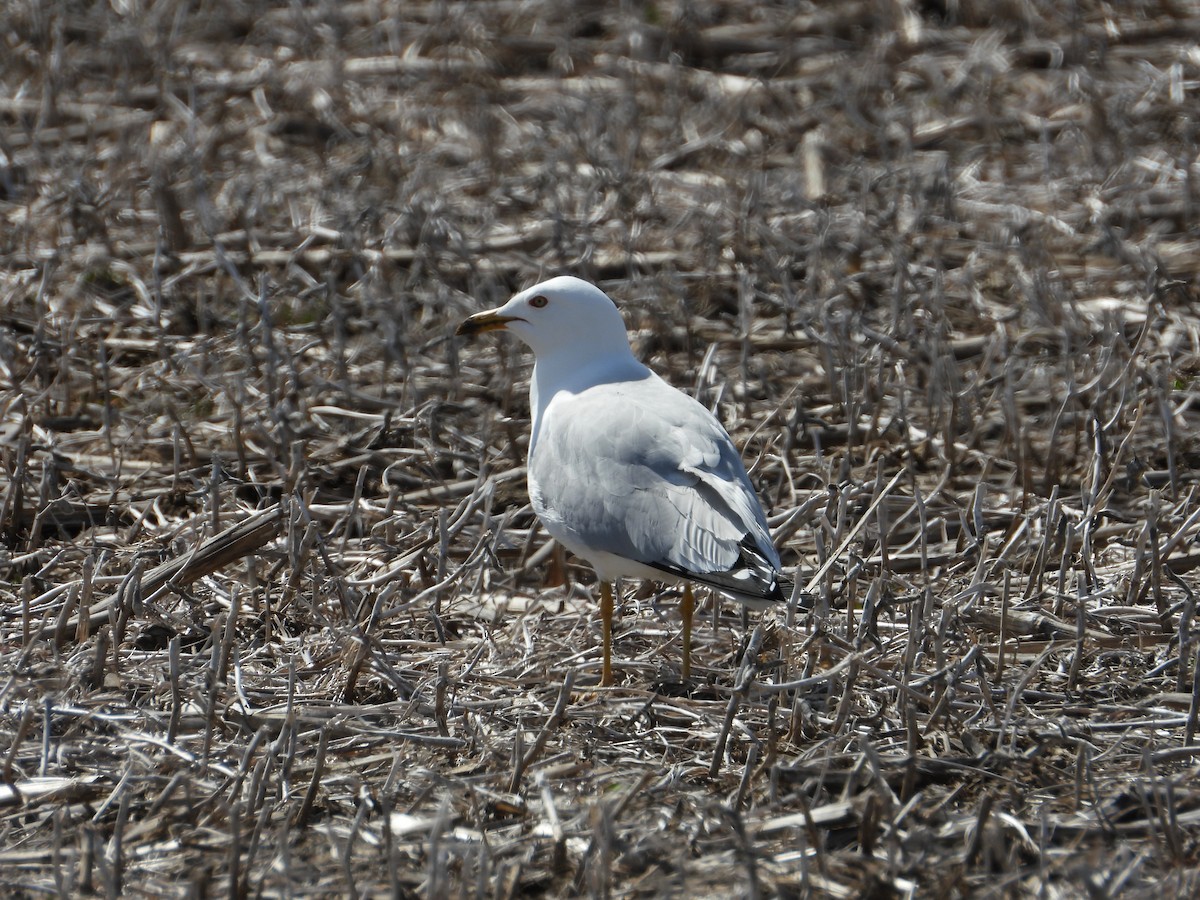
(738, 584)
(780, 590)
(786, 587)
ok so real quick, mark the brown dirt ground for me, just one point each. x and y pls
(275, 617)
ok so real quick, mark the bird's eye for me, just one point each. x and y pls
(538, 302)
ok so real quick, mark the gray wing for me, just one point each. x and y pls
(644, 472)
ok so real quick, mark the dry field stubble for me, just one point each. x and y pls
(275, 617)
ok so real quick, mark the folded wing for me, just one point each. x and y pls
(651, 476)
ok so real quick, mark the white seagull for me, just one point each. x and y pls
(624, 470)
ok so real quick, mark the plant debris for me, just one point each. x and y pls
(275, 615)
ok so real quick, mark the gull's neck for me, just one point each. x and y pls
(577, 370)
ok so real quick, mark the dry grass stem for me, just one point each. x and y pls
(275, 615)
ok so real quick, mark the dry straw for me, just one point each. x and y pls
(275, 617)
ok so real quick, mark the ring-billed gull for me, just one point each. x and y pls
(624, 470)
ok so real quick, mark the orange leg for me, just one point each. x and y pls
(688, 606)
(606, 615)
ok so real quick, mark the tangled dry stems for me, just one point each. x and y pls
(276, 616)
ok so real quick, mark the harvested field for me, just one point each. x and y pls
(275, 616)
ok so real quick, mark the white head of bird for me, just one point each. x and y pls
(577, 336)
(565, 318)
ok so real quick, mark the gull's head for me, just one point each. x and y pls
(562, 315)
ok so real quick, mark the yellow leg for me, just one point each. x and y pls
(606, 614)
(688, 606)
